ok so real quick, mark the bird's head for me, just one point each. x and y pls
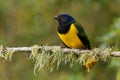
(64, 18)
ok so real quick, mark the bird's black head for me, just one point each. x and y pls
(64, 21)
(64, 18)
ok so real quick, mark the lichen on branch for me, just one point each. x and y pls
(50, 57)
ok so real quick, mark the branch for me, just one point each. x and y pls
(51, 56)
(48, 48)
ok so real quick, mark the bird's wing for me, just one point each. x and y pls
(81, 34)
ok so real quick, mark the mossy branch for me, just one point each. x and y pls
(50, 57)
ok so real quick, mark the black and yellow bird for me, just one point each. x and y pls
(71, 33)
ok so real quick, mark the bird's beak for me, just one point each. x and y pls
(56, 17)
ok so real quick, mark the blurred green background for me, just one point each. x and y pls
(29, 22)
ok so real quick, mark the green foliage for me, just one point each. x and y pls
(28, 22)
(112, 37)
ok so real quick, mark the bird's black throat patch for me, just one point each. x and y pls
(63, 28)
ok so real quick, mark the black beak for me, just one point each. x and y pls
(56, 17)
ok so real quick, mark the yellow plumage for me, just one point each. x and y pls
(71, 38)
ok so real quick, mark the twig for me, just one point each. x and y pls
(115, 54)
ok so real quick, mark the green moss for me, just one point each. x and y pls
(6, 54)
(51, 59)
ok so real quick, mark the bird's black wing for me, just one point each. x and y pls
(82, 36)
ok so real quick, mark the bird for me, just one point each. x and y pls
(71, 32)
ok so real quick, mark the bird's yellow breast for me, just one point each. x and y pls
(71, 38)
